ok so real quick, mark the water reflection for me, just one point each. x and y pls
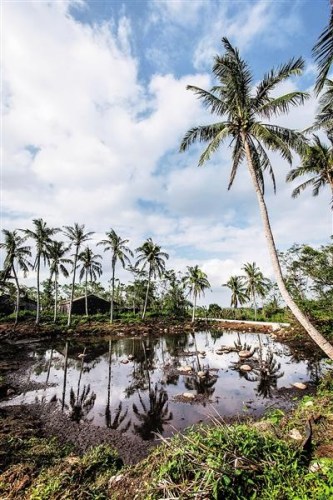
(154, 415)
(133, 384)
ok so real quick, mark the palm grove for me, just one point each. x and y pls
(244, 116)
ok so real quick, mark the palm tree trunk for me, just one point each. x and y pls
(194, 306)
(112, 291)
(255, 306)
(72, 291)
(55, 297)
(17, 309)
(65, 378)
(146, 298)
(38, 292)
(86, 292)
(301, 318)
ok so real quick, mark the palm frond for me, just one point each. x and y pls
(282, 104)
(323, 54)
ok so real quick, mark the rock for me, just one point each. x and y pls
(203, 353)
(201, 374)
(115, 479)
(130, 357)
(245, 368)
(124, 361)
(219, 352)
(245, 354)
(299, 385)
(188, 395)
(295, 434)
(263, 426)
(10, 392)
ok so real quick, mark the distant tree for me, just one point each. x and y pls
(174, 300)
(256, 284)
(119, 251)
(58, 261)
(77, 237)
(316, 162)
(91, 268)
(151, 257)
(41, 234)
(195, 280)
(16, 255)
(239, 295)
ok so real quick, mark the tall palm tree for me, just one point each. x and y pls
(91, 268)
(41, 234)
(58, 261)
(16, 255)
(240, 111)
(323, 53)
(317, 161)
(150, 255)
(238, 291)
(196, 281)
(119, 251)
(256, 284)
(77, 237)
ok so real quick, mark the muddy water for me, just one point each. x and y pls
(137, 385)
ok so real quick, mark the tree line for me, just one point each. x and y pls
(150, 263)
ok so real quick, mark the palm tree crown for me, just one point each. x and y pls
(197, 282)
(323, 53)
(317, 162)
(238, 291)
(90, 265)
(58, 261)
(151, 256)
(242, 111)
(256, 284)
(119, 251)
(42, 237)
(17, 253)
(77, 236)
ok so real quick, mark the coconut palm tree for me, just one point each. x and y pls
(150, 256)
(91, 268)
(196, 281)
(119, 251)
(41, 234)
(58, 261)
(323, 53)
(317, 162)
(238, 291)
(256, 284)
(241, 108)
(77, 237)
(17, 254)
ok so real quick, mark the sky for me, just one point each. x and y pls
(94, 107)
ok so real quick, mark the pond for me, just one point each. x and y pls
(159, 385)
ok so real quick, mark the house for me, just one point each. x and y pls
(95, 305)
(7, 304)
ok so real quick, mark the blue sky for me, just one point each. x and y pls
(95, 106)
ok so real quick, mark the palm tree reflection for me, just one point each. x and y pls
(152, 418)
(119, 416)
(81, 404)
(266, 373)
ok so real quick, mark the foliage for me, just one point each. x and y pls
(231, 462)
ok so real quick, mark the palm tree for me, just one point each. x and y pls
(77, 237)
(42, 237)
(240, 110)
(256, 284)
(16, 254)
(57, 252)
(238, 291)
(196, 281)
(90, 268)
(151, 256)
(323, 53)
(118, 249)
(317, 161)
